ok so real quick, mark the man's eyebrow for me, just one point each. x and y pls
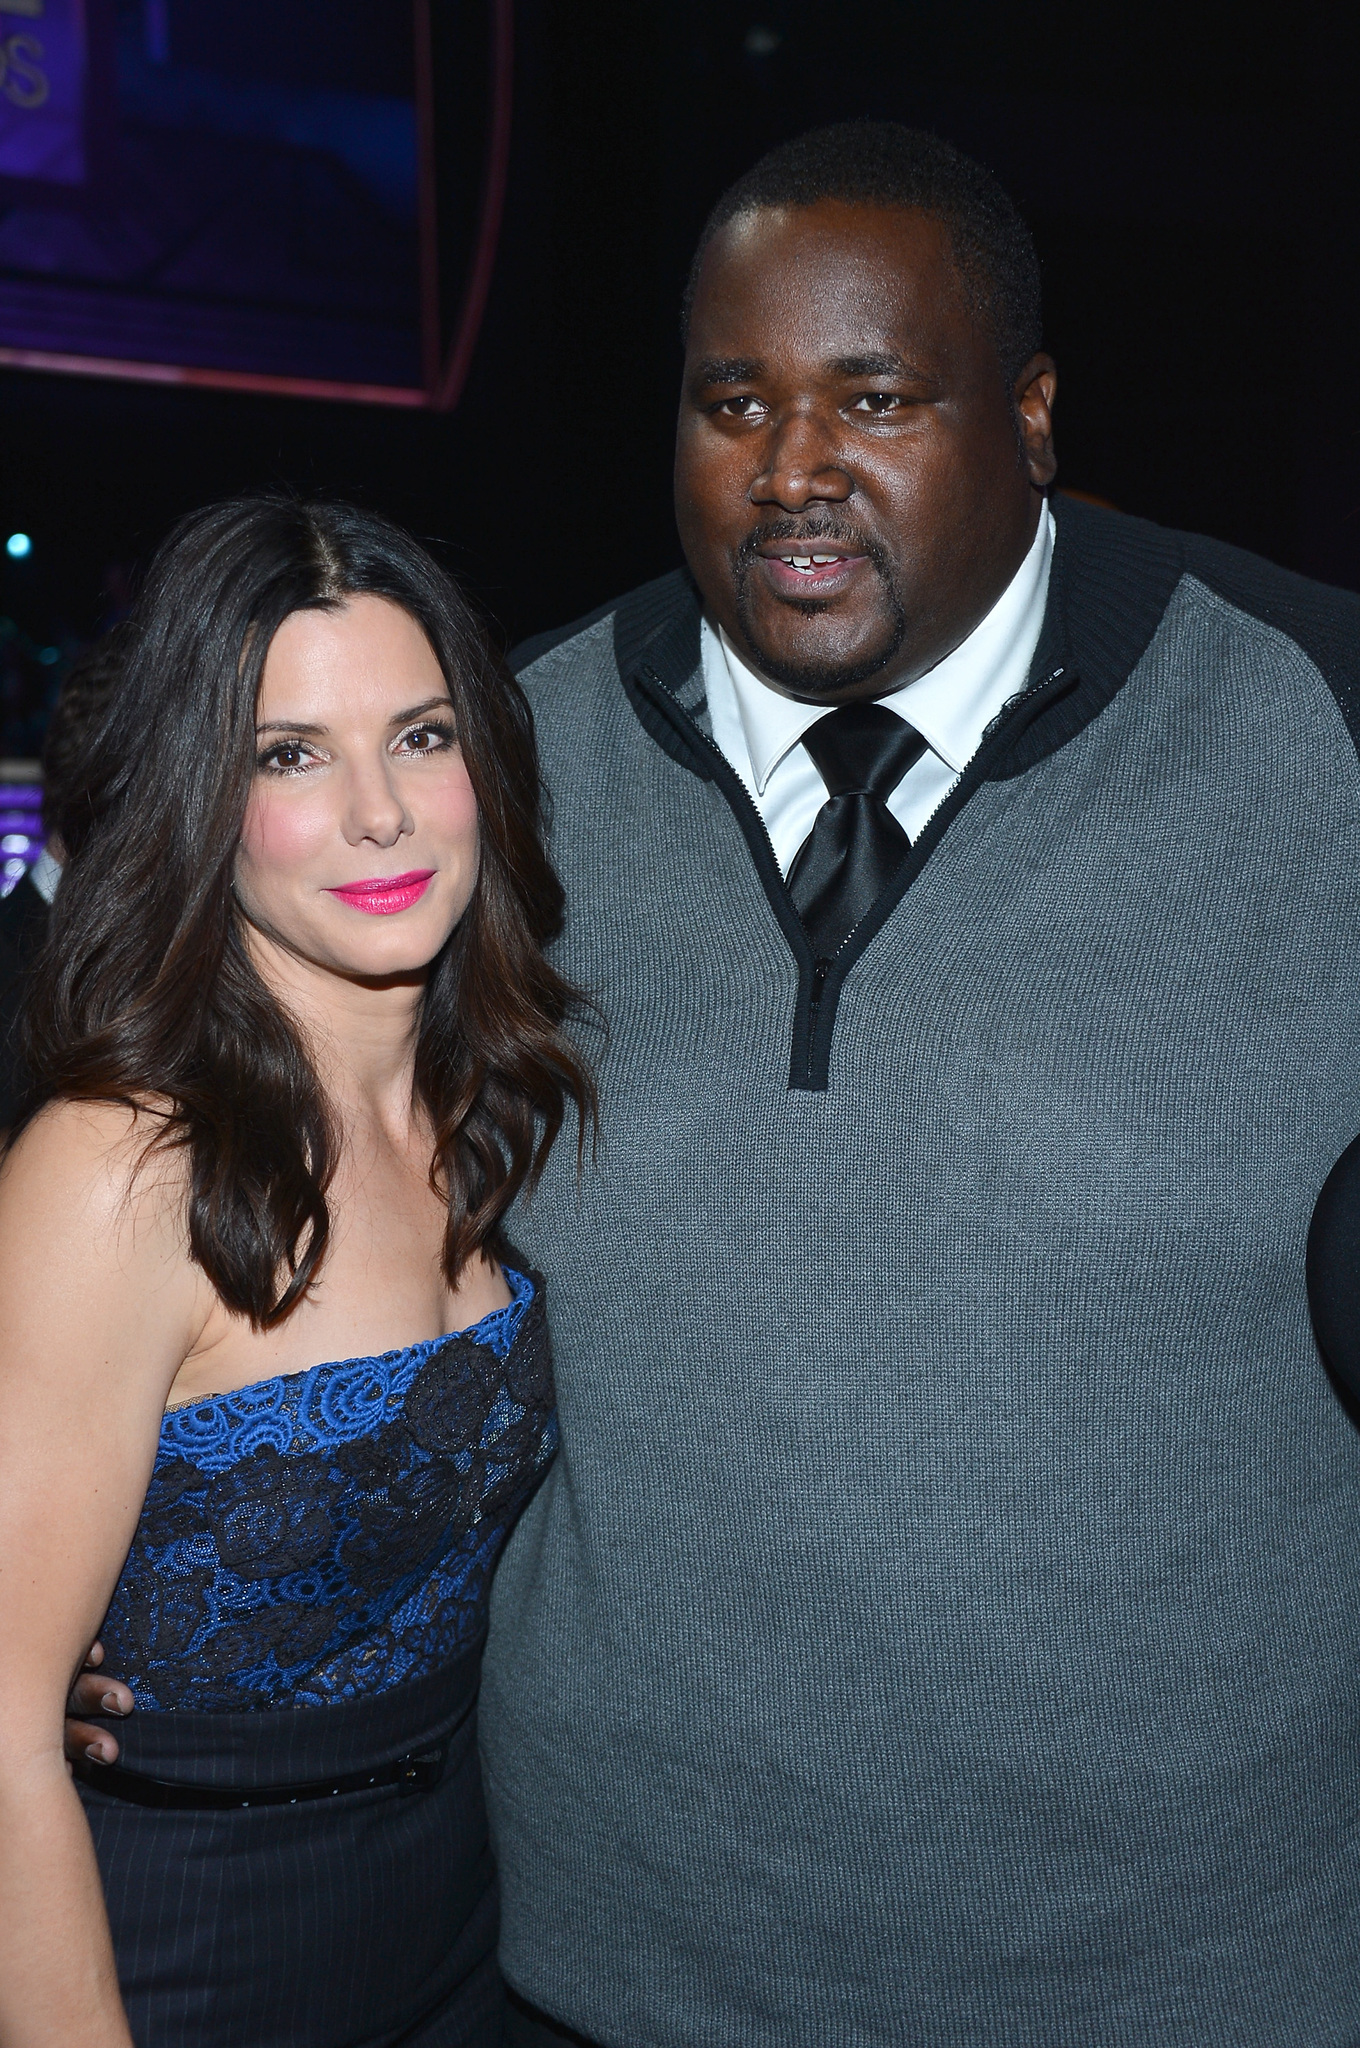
(725, 370)
(889, 365)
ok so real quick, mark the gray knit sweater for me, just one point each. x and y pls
(942, 1623)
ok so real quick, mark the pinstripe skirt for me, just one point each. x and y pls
(356, 1921)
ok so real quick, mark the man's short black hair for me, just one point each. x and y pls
(882, 163)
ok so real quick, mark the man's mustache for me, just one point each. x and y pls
(805, 534)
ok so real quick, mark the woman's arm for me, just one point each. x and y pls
(98, 1304)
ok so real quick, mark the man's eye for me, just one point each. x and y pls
(743, 408)
(877, 402)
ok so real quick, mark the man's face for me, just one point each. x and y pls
(854, 487)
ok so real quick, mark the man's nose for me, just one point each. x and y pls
(374, 808)
(803, 467)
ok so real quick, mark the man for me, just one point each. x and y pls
(942, 1621)
(71, 775)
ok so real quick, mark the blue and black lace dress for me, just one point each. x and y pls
(293, 1845)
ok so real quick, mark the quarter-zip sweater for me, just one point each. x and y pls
(942, 1622)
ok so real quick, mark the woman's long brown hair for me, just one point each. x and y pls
(145, 991)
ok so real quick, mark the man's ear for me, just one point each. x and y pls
(1034, 391)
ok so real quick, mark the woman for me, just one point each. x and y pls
(270, 1396)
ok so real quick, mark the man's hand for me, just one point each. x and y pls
(92, 1694)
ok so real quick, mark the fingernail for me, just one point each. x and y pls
(110, 1703)
(95, 1754)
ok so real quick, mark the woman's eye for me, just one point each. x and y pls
(285, 757)
(426, 739)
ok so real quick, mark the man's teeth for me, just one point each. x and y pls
(809, 561)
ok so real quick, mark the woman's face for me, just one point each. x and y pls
(359, 848)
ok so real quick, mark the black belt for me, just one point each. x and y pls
(409, 1773)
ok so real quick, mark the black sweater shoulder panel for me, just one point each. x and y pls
(526, 652)
(1111, 582)
(1113, 577)
(638, 614)
(1322, 621)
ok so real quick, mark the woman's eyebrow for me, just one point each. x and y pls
(301, 725)
(444, 703)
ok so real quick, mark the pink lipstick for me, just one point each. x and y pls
(384, 895)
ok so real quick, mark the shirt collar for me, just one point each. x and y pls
(951, 706)
(44, 874)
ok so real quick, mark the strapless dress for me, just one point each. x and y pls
(293, 1845)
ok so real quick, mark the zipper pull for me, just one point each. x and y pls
(802, 1073)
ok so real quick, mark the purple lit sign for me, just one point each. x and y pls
(42, 90)
(21, 836)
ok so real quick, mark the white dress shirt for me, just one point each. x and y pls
(760, 731)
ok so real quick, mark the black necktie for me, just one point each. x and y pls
(856, 845)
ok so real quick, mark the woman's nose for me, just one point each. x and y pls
(374, 807)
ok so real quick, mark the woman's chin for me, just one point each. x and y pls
(367, 949)
(381, 965)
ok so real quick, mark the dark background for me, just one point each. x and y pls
(1191, 177)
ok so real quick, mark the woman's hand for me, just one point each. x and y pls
(93, 1693)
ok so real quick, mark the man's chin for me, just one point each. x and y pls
(820, 673)
(825, 677)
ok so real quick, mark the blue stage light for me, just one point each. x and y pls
(18, 545)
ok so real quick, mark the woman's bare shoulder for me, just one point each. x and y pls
(97, 1166)
(87, 1193)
